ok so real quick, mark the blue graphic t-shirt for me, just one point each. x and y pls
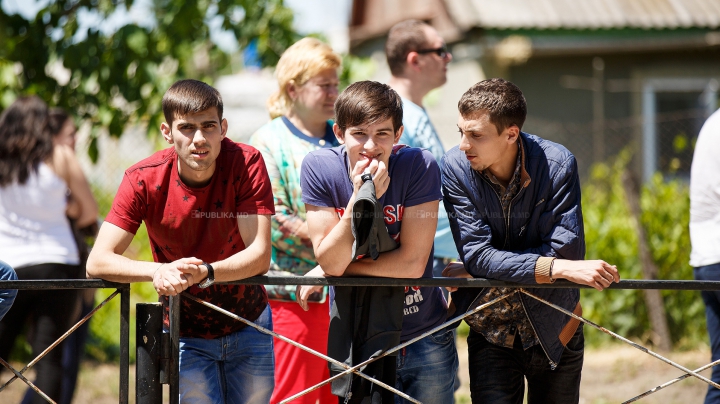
(415, 179)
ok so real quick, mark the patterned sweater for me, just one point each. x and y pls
(284, 147)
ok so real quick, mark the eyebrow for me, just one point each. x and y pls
(470, 130)
(186, 123)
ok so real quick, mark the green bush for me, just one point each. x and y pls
(610, 235)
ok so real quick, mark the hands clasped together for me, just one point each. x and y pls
(172, 278)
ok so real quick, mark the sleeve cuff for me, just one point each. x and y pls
(542, 270)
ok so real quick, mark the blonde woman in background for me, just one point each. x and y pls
(307, 75)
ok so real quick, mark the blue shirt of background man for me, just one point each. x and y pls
(420, 132)
(415, 179)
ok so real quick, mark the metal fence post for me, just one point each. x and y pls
(174, 374)
(148, 335)
(124, 343)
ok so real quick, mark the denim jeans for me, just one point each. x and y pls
(426, 369)
(234, 369)
(712, 313)
(497, 374)
(7, 296)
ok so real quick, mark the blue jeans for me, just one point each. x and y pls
(426, 369)
(7, 296)
(234, 369)
(497, 374)
(712, 313)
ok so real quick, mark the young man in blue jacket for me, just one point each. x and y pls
(514, 205)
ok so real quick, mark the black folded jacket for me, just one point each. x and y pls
(368, 224)
(366, 321)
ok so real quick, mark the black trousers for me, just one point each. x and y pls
(50, 312)
(498, 374)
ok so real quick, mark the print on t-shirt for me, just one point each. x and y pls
(415, 180)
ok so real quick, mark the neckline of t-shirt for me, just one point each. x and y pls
(182, 183)
(327, 141)
(420, 107)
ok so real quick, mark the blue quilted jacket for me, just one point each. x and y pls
(545, 220)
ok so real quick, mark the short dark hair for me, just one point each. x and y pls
(190, 96)
(500, 98)
(367, 102)
(403, 38)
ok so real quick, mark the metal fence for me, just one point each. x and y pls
(158, 352)
(673, 143)
(121, 289)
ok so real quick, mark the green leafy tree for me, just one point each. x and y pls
(112, 79)
(611, 235)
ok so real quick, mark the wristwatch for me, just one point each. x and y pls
(210, 276)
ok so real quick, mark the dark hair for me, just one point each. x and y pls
(56, 120)
(25, 139)
(190, 96)
(500, 98)
(366, 102)
(403, 38)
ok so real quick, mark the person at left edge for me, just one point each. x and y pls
(206, 202)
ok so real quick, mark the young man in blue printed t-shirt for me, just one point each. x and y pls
(407, 180)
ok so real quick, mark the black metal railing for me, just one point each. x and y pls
(123, 289)
(158, 352)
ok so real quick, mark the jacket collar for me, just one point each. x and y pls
(524, 176)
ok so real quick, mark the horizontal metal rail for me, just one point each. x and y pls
(475, 283)
(357, 281)
(43, 284)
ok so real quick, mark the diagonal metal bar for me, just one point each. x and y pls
(296, 344)
(623, 339)
(399, 347)
(673, 381)
(58, 341)
(29, 383)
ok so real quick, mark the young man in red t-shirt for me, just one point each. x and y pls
(206, 203)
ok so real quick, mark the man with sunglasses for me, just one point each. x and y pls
(418, 58)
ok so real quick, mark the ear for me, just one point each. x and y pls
(166, 132)
(223, 127)
(412, 60)
(291, 89)
(398, 134)
(513, 133)
(339, 135)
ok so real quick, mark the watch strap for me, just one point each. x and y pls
(210, 276)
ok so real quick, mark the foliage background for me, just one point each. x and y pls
(112, 79)
(610, 235)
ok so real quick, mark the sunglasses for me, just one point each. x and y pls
(441, 51)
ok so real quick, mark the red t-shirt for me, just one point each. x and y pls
(199, 222)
